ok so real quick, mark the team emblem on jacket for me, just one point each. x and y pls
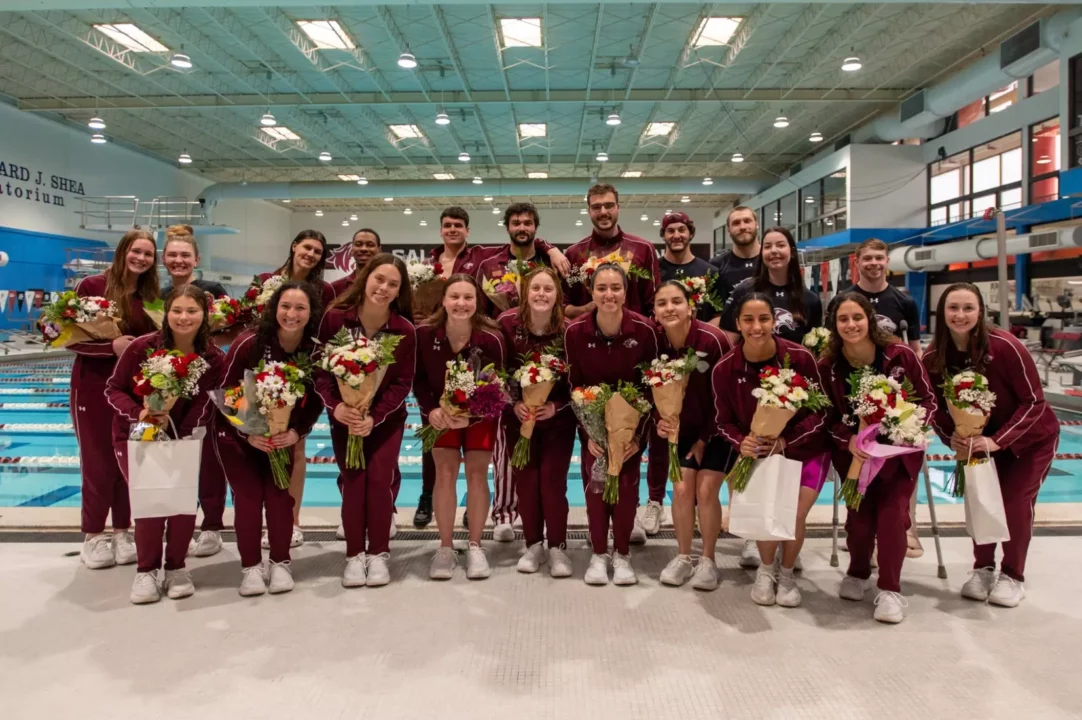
(630, 343)
(897, 373)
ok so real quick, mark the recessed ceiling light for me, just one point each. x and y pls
(319, 213)
(97, 139)
(659, 129)
(781, 121)
(281, 132)
(96, 123)
(631, 173)
(816, 137)
(537, 175)
(388, 199)
(443, 118)
(488, 198)
(403, 132)
(325, 156)
(602, 156)
(362, 180)
(1043, 160)
(407, 60)
(131, 37)
(184, 159)
(685, 199)
(708, 181)
(443, 176)
(267, 120)
(326, 34)
(851, 64)
(349, 178)
(407, 211)
(532, 130)
(477, 180)
(182, 61)
(613, 119)
(738, 158)
(715, 31)
(520, 32)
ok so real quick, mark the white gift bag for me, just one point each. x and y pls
(766, 509)
(163, 477)
(986, 518)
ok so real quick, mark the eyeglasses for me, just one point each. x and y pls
(603, 206)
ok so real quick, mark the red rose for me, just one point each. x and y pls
(143, 387)
(180, 367)
(371, 368)
(104, 304)
(800, 382)
(437, 268)
(252, 293)
(69, 313)
(459, 397)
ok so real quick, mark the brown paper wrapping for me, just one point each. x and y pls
(770, 421)
(502, 301)
(427, 297)
(966, 425)
(96, 330)
(533, 397)
(621, 421)
(669, 401)
(168, 401)
(361, 398)
(857, 464)
(278, 420)
(156, 316)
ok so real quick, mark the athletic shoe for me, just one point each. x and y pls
(706, 575)
(503, 532)
(677, 572)
(253, 581)
(622, 572)
(651, 518)
(97, 552)
(340, 533)
(560, 564)
(980, 583)
(378, 572)
(178, 584)
(208, 543)
(281, 578)
(749, 555)
(477, 563)
(298, 537)
(852, 588)
(798, 564)
(355, 574)
(443, 564)
(787, 594)
(145, 589)
(762, 593)
(638, 533)
(532, 559)
(1007, 593)
(598, 571)
(890, 607)
(124, 547)
(423, 516)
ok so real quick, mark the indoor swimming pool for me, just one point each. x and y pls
(39, 462)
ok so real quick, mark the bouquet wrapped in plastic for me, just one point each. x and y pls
(470, 390)
(259, 294)
(970, 403)
(537, 376)
(226, 312)
(583, 272)
(610, 418)
(234, 406)
(701, 290)
(667, 379)
(817, 340)
(72, 319)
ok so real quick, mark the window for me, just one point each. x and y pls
(963, 186)
(1003, 98)
(1044, 161)
(1044, 78)
(998, 101)
(811, 200)
(820, 202)
(1074, 100)
(787, 216)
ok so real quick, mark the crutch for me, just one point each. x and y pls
(834, 523)
(942, 572)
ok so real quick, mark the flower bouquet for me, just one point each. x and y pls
(610, 418)
(426, 282)
(225, 312)
(503, 291)
(970, 403)
(470, 390)
(585, 271)
(165, 377)
(668, 381)
(537, 377)
(260, 292)
(277, 388)
(817, 340)
(885, 407)
(782, 393)
(73, 319)
(358, 365)
(588, 404)
(701, 290)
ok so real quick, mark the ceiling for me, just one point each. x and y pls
(637, 60)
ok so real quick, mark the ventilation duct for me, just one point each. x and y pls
(937, 257)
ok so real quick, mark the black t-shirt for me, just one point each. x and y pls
(210, 286)
(785, 325)
(895, 310)
(732, 270)
(696, 268)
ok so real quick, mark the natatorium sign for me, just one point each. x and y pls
(24, 183)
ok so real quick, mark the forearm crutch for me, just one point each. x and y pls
(834, 523)
(942, 572)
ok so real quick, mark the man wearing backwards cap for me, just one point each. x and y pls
(677, 232)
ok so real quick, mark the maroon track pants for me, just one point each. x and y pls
(103, 488)
(883, 517)
(542, 484)
(211, 485)
(368, 494)
(178, 531)
(657, 467)
(622, 515)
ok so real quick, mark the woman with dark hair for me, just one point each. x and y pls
(857, 342)
(285, 331)
(778, 275)
(607, 345)
(130, 281)
(186, 329)
(537, 325)
(1021, 435)
(704, 456)
(377, 304)
(734, 380)
(457, 329)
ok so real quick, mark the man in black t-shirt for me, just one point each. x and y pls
(677, 232)
(741, 261)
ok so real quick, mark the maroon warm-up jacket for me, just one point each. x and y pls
(698, 413)
(95, 360)
(522, 342)
(640, 293)
(434, 352)
(328, 292)
(471, 257)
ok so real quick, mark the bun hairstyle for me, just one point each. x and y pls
(181, 233)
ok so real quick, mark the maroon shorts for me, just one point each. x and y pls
(478, 436)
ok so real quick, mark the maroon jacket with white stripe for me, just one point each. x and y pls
(734, 378)
(434, 352)
(640, 293)
(390, 399)
(1020, 418)
(94, 359)
(697, 415)
(522, 342)
(187, 414)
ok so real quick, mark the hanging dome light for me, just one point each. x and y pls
(495, 211)
(184, 159)
(488, 198)
(267, 120)
(602, 156)
(182, 61)
(708, 181)
(582, 212)
(477, 180)
(644, 217)
(815, 137)
(407, 60)
(781, 122)
(407, 211)
(685, 199)
(96, 123)
(851, 64)
(345, 223)
(578, 223)
(442, 118)
(656, 223)
(325, 156)
(424, 223)
(319, 213)
(97, 139)
(353, 217)
(463, 156)
(1044, 160)
(362, 180)
(388, 199)
(613, 119)
(738, 157)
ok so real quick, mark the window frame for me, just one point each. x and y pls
(965, 201)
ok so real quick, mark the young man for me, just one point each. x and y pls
(603, 203)
(521, 221)
(739, 263)
(365, 246)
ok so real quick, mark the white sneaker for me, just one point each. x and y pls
(677, 572)
(762, 593)
(622, 572)
(706, 575)
(1007, 593)
(145, 589)
(890, 607)
(178, 584)
(97, 552)
(265, 542)
(355, 574)
(798, 564)
(340, 533)
(503, 532)
(378, 572)
(394, 528)
(980, 584)
(787, 594)
(281, 578)
(253, 581)
(651, 518)
(852, 589)
(532, 559)
(443, 564)
(208, 543)
(598, 571)
(298, 538)
(638, 533)
(477, 563)
(560, 564)
(749, 555)
(124, 547)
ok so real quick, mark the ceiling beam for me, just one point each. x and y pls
(37, 5)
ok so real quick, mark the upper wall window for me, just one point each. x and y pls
(1074, 110)
(1044, 161)
(965, 185)
(1044, 78)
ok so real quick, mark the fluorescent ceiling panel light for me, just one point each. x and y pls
(631, 173)
(715, 31)
(537, 175)
(532, 130)
(403, 132)
(131, 37)
(659, 129)
(281, 133)
(520, 32)
(443, 176)
(326, 34)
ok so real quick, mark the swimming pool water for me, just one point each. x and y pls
(39, 456)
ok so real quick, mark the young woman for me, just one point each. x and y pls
(796, 308)
(607, 345)
(131, 280)
(186, 329)
(803, 439)
(306, 262)
(286, 329)
(857, 341)
(704, 457)
(541, 486)
(1021, 435)
(377, 305)
(180, 258)
(457, 329)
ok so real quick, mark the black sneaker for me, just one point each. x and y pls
(423, 516)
